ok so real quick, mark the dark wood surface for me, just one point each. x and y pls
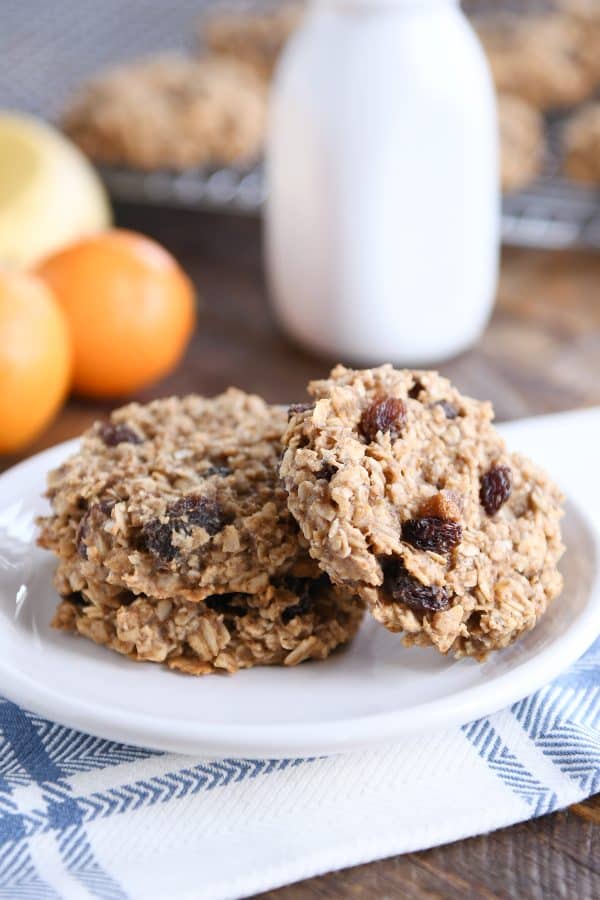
(541, 353)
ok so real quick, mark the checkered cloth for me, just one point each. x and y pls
(85, 817)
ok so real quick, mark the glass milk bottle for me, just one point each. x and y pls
(382, 216)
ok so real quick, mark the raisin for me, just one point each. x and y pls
(305, 590)
(301, 608)
(113, 434)
(76, 598)
(327, 471)
(404, 588)
(225, 605)
(105, 506)
(432, 533)
(156, 539)
(416, 390)
(295, 408)
(199, 511)
(495, 489)
(450, 411)
(387, 414)
(193, 510)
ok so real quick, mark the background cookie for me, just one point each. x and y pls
(545, 59)
(170, 112)
(521, 142)
(582, 145)
(405, 491)
(254, 36)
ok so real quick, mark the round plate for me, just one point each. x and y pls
(374, 691)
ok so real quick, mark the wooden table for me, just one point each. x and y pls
(541, 353)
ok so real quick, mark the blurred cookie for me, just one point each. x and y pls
(586, 15)
(170, 112)
(521, 142)
(544, 59)
(582, 145)
(255, 36)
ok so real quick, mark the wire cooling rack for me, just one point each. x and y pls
(41, 64)
(552, 213)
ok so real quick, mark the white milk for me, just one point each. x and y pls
(382, 218)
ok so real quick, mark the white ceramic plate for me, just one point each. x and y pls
(374, 691)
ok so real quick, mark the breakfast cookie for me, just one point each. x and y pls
(180, 498)
(171, 112)
(545, 59)
(291, 621)
(255, 36)
(406, 494)
(582, 145)
(521, 142)
(586, 15)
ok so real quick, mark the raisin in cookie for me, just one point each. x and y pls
(255, 36)
(582, 145)
(521, 142)
(170, 112)
(178, 499)
(406, 493)
(545, 59)
(289, 622)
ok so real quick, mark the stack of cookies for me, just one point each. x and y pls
(219, 534)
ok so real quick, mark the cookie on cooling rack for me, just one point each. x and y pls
(255, 35)
(521, 142)
(581, 139)
(171, 112)
(407, 495)
(546, 59)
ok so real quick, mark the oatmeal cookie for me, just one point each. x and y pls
(521, 142)
(586, 16)
(178, 499)
(406, 493)
(291, 621)
(255, 36)
(170, 112)
(545, 59)
(582, 145)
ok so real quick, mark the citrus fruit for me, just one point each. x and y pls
(35, 358)
(49, 193)
(130, 309)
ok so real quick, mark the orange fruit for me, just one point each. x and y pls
(35, 358)
(130, 309)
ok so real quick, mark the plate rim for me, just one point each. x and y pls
(307, 739)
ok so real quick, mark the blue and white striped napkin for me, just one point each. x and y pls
(83, 817)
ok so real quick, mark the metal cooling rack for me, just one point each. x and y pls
(551, 213)
(239, 191)
(40, 66)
